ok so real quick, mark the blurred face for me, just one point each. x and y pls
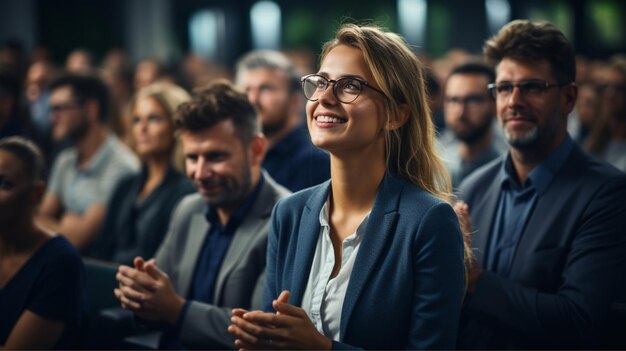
(612, 89)
(151, 128)
(347, 127)
(268, 92)
(468, 106)
(146, 73)
(219, 164)
(78, 62)
(69, 120)
(587, 105)
(16, 189)
(533, 119)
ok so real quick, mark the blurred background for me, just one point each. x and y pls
(221, 31)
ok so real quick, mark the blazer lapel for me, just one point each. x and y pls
(546, 209)
(198, 230)
(380, 225)
(307, 242)
(483, 213)
(244, 236)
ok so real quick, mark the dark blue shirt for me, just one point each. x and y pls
(295, 163)
(516, 205)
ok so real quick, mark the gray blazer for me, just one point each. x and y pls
(240, 279)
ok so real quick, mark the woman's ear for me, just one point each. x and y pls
(400, 118)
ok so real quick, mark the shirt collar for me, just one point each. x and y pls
(542, 175)
(325, 222)
(211, 212)
(99, 158)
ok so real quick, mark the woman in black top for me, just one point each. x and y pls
(41, 274)
(140, 209)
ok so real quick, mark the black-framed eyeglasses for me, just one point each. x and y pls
(345, 89)
(528, 88)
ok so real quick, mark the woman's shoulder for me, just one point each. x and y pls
(415, 199)
(58, 250)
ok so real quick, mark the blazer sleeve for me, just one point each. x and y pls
(175, 235)
(592, 278)
(438, 272)
(206, 324)
(272, 290)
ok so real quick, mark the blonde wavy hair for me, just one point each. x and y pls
(410, 149)
(169, 96)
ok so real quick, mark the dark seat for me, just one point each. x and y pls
(100, 281)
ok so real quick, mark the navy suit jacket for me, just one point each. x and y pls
(569, 266)
(406, 288)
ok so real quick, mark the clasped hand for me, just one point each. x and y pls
(148, 292)
(288, 328)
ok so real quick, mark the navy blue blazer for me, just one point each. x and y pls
(569, 266)
(406, 288)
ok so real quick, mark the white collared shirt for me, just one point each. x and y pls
(323, 297)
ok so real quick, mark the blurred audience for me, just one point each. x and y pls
(80, 61)
(147, 72)
(38, 77)
(272, 85)
(141, 205)
(608, 138)
(14, 119)
(42, 295)
(83, 176)
(435, 100)
(585, 113)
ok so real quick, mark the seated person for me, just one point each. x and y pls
(140, 208)
(373, 258)
(272, 85)
(83, 175)
(41, 274)
(213, 256)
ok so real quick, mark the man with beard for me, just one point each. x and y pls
(213, 256)
(469, 113)
(273, 88)
(84, 175)
(548, 220)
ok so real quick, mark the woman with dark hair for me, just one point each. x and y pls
(139, 212)
(41, 274)
(372, 258)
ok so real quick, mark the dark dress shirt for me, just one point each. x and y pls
(516, 204)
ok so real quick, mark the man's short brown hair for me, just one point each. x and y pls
(215, 103)
(531, 42)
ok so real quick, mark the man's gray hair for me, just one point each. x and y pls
(270, 60)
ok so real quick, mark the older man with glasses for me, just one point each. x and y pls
(272, 85)
(548, 219)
